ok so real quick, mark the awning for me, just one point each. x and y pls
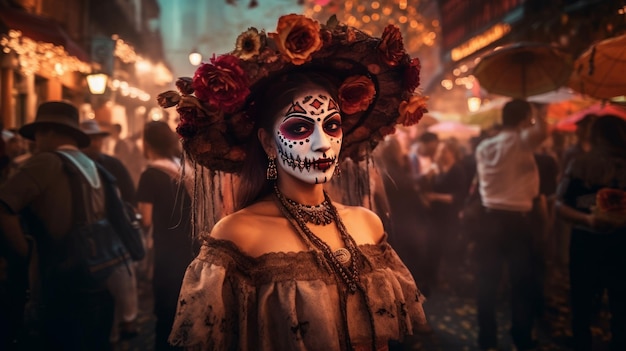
(40, 29)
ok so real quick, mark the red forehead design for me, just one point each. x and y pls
(295, 108)
(332, 105)
(316, 104)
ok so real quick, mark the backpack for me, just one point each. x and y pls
(95, 249)
(123, 216)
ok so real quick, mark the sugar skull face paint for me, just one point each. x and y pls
(308, 137)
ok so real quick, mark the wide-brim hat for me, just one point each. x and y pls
(375, 77)
(92, 128)
(59, 115)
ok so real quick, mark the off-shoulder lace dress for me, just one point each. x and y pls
(287, 301)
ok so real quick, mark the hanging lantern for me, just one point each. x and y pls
(97, 83)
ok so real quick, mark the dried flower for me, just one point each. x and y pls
(167, 99)
(391, 45)
(356, 94)
(184, 85)
(222, 84)
(297, 37)
(249, 44)
(413, 74)
(411, 111)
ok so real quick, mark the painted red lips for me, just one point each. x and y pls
(324, 164)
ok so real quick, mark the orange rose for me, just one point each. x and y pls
(391, 45)
(297, 37)
(356, 94)
(411, 111)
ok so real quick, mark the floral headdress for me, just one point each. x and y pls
(376, 84)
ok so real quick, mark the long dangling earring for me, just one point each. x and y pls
(337, 171)
(272, 172)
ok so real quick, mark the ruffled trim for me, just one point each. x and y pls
(285, 301)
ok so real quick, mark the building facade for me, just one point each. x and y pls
(50, 47)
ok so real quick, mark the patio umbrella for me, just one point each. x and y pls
(523, 69)
(600, 72)
(568, 124)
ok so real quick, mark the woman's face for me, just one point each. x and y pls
(308, 136)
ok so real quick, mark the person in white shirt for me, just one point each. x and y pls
(508, 184)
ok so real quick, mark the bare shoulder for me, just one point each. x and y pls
(243, 228)
(231, 226)
(363, 224)
(257, 229)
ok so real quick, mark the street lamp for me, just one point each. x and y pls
(195, 58)
(97, 83)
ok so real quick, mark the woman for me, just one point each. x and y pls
(591, 196)
(165, 208)
(292, 269)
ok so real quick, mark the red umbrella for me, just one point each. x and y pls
(568, 124)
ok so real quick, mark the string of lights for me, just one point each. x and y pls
(35, 56)
(372, 17)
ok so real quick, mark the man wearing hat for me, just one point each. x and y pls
(112, 164)
(39, 196)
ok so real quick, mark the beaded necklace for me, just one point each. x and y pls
(345, 261)
(319, 214)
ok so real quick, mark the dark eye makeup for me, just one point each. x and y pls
(296, 129)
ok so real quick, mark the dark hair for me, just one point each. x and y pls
(608, 131)
(515, 112)
(428, 137)
(161, 139)
(265, 103)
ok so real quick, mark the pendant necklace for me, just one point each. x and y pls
(344, 261)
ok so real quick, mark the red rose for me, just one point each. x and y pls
(611, 200)
(391, 45)
(187, 126)
(356, 94)
(413, 74)
(223, 84)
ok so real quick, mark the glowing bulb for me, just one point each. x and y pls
(195, 58)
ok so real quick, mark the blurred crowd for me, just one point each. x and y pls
(509, 203)
(147, 169)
